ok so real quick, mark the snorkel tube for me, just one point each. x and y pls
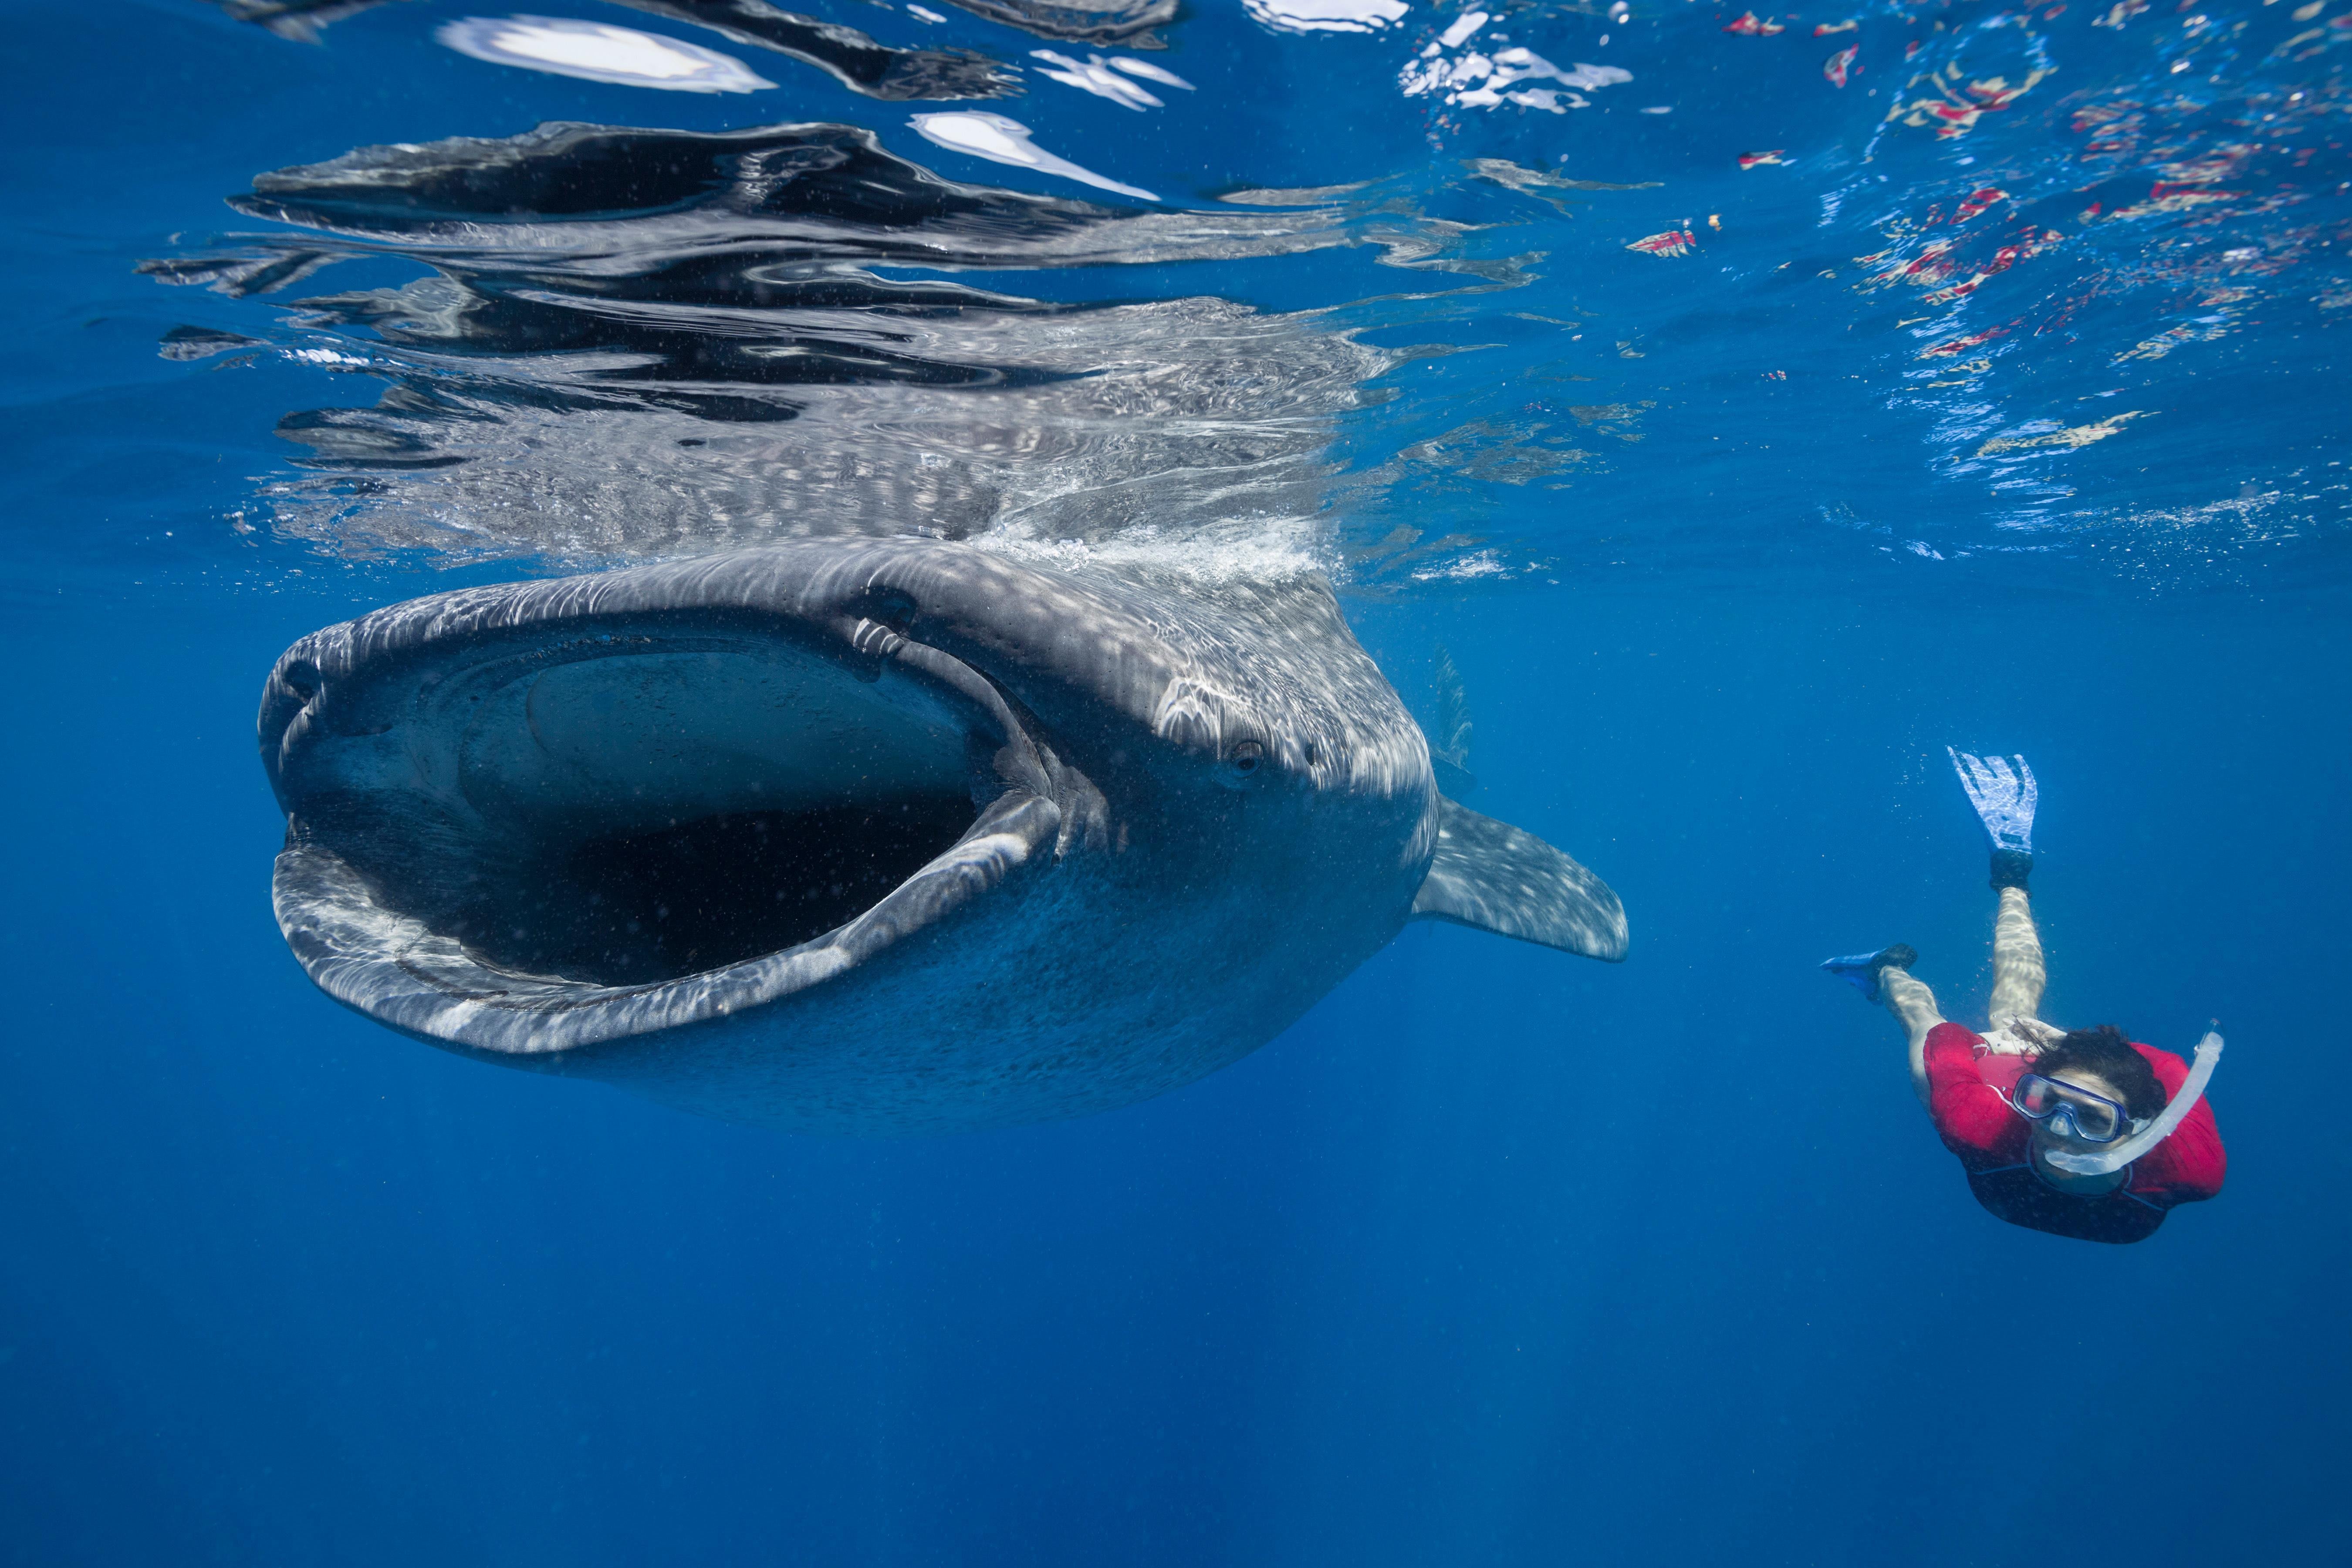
(2102, 1162)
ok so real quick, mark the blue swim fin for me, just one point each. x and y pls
(1861, 970)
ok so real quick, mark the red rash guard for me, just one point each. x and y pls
(1966, 1090)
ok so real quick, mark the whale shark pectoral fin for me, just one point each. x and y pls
(1492, 877)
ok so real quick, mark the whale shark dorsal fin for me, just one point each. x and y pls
(1455, 780)
(1491, 876)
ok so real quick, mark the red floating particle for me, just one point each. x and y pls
(1750, 26)
(1978, 201)
(1957, 344)
(1672, 242)
(1838, 63)
(1750, 160)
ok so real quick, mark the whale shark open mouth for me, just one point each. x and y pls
(581, 824)
(655, 813)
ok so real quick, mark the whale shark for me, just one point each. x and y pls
(871, 836)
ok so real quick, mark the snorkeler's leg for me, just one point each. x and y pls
(2018, 972)
(1914, 1006)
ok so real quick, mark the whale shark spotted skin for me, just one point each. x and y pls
(870, 837)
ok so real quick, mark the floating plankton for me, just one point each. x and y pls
(1837, 65)
(1753, 159)
(1672, 242)
(1747, 27)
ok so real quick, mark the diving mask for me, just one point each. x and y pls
(2069, 1109)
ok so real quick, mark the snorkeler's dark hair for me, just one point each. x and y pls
(2106, 1051)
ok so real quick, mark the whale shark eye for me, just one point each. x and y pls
(1247, 756)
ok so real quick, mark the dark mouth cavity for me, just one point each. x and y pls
(625, 810)
(634, 908)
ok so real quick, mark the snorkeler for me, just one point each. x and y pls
(2083, 1134)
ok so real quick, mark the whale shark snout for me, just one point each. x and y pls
(869, 837)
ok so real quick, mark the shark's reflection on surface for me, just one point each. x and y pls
(632, 342)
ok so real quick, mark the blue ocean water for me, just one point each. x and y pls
(1994, 402)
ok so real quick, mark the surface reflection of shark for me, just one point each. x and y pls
(637, 341)
(870, 837)
(1126, 23)
(856, 61)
